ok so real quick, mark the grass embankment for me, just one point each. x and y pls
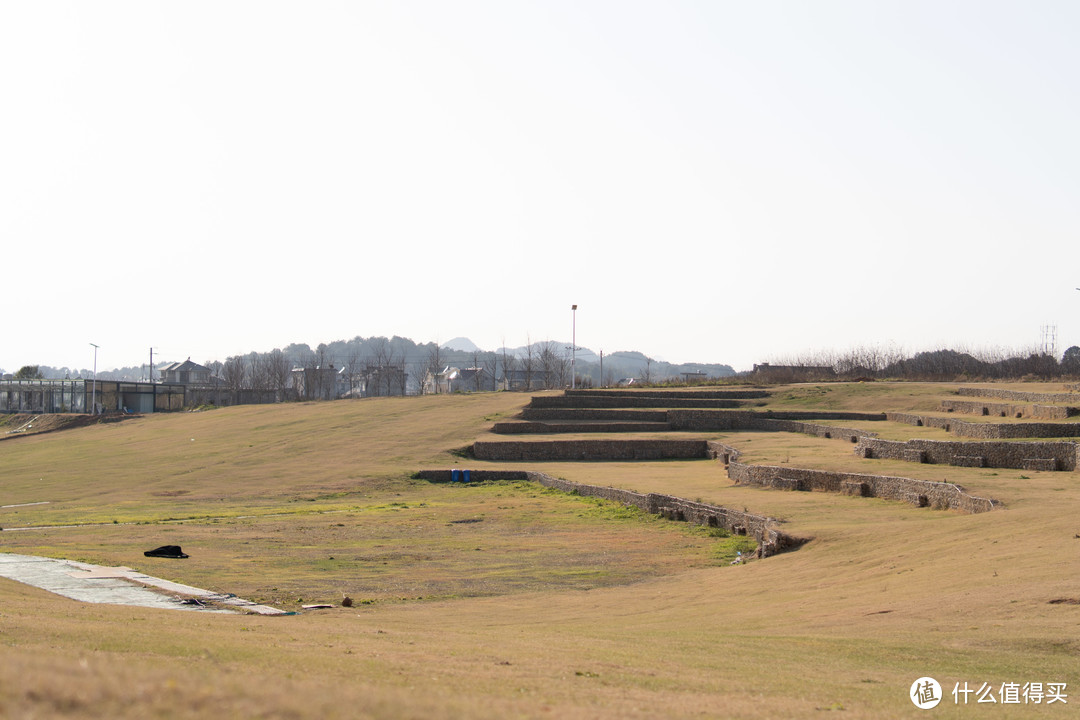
(570, 608)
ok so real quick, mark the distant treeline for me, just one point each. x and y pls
(550, 361)
(546, 363)
(948, 365)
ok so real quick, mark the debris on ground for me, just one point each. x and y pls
(166, 551)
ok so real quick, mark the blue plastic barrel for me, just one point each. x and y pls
(466, 473)
(455, 475)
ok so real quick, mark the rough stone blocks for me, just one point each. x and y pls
(917, 499)
(854, 487)
(977, 461)
(789, 484)
(914, 456)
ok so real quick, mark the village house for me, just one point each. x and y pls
(185, 373)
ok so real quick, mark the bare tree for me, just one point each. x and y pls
(258, 376)
(434, 365)
(476, 375)
(278, 371)
(353, 367)
(389, 375)
(420, 370)
(234, 372)
(509, 366)
(385, 369)
(321, 374)
(214, 366)
(378, 378)
(554, 365)
(490, 367)
(402, 376)
(529, 363)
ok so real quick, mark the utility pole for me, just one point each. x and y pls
(573, 349)
(93, 394)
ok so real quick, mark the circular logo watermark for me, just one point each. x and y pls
(925, 693)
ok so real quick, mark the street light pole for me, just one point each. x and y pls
(93, 394)
(573, 349)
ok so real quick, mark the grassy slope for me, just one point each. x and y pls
(572, 610)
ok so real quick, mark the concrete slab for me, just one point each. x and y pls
(104, 572)
(116, 586)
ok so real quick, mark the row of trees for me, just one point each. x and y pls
(399, 366)
(945, 364)
(386, 365)
(381, 366)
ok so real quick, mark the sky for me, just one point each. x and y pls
(723, 182)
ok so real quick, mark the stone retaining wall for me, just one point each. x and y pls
(714, 394)
(719, 451)
(921, 493)
(574, 450)
(1041, 412)
(946, 424)
(752, 420)
(1018, 455)
(545, 414)
(770, 540)
(1019, 395)
(706, 420)
(990, 431)
(512, 428)
(600, 401)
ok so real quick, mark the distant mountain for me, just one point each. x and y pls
(622, 364)
(461, 344)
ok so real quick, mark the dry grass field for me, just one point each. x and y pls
(505, 599)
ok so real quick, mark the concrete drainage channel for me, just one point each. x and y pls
(119, 586)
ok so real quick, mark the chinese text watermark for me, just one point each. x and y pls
(926, 693)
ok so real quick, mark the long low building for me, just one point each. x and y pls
(80, 396)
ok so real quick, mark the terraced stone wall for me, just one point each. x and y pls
(618, 401)
(712, 394)
(1019, 395)
(574, 450)
(946, 424)
(770, 539)
(724, 453)
(1040, 412)
(705, 420)
(522, 428)
(921, 493)
(990, 431)
(593, 414)
(1019, 455)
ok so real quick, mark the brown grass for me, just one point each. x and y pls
(569, 608)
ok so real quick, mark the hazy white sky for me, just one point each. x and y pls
(709, 181)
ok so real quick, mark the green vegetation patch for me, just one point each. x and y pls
(401, 541)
